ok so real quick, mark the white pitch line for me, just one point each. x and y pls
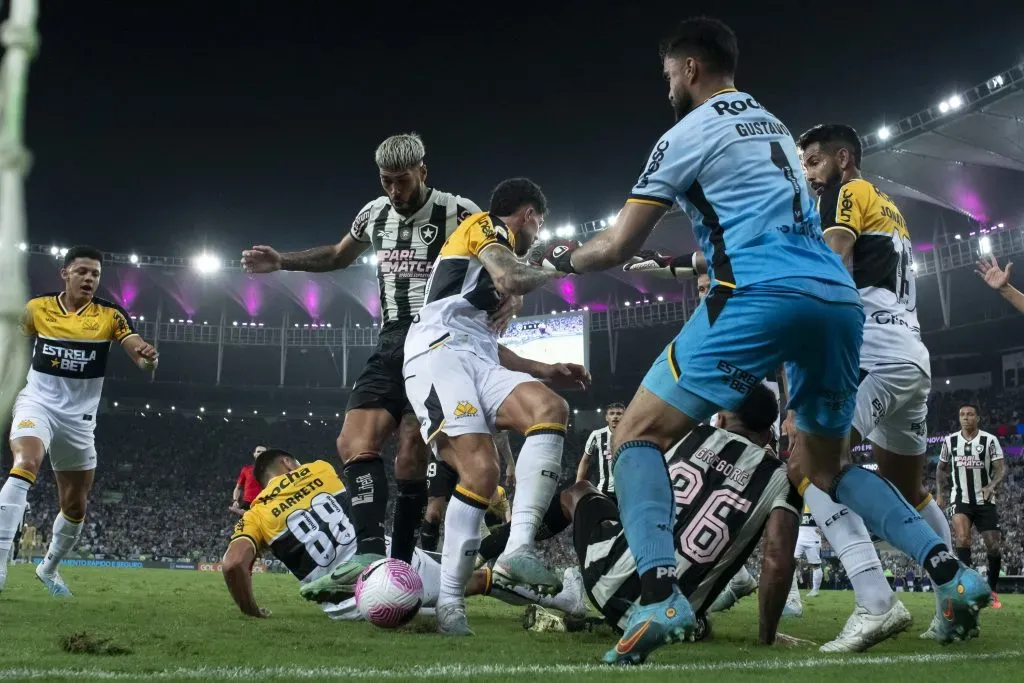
(450, 671)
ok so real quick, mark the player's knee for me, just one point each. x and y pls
(551, 408)
(73, 506)
(28, 454)
(355, 449)
(479, 474)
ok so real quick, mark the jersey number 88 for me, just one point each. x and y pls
(312, 526)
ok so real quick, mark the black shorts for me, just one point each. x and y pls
(441, 479)
(983, 516)
(245, 504)
(381, 384)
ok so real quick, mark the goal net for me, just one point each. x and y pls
(20, 40)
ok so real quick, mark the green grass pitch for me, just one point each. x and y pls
(179, 625)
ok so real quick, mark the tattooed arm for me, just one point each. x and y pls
(512, 276)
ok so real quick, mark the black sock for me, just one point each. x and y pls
(964, 555)
(495, 543)
(941, 565)
(367, 484)
(995, 564)
(554, 521)
(410, 507)
(656, 584)
(430, 536)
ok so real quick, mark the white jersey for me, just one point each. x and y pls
(460, 295)
(69, 354)
(407, 246)
(599, 448)
(883, 259)
(971, 465)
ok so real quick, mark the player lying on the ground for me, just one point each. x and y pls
(301, 515)
(729, 487)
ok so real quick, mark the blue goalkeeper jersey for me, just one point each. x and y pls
(734, 169)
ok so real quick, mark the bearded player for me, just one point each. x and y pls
(465, 386)
(779, 295)
(301, 516)
(406, 228)
(55, 413)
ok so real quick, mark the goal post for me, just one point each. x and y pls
(20, 40)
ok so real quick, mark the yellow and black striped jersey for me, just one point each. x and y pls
(883, 259)
(302, 516)
(69, 352)
(460, 293)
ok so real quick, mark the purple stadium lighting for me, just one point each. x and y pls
(567, 290)
(251, 299)
(311, 298)
(927, 246)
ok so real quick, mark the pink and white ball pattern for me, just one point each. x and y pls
(389, 593)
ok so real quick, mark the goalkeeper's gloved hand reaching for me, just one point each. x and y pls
(555, 255)
(652, 263)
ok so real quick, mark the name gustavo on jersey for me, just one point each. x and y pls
(70, 360)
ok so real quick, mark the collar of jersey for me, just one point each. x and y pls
(65, 311)
(412, 218)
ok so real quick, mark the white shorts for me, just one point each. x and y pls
(892, 407)
(425, 565)
(808, 545)
(70, 443)
(457, 392)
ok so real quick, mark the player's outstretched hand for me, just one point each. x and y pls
(261, 259)
(994, 276)
(652, 263)
(510, 306)
(264, 613)
(568, 376)
(782, 640)
(555, 256)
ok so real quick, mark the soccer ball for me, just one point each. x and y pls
(389, 593)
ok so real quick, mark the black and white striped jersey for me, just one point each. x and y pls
(407, 246)
(971, 465)
(725, 489)
(599, 448)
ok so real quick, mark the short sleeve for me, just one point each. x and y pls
(122, 326)
(360, 226)
(671, 168)
(944, 452)
(591, 447)
(464, 208)
(241, 476)
(249, 528)
(485, 231)
(27, 324)
(995, 450)
(786, 496)
(844, 206)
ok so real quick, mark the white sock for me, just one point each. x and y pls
(794, 593)
(13, 496)
(816, 579)
(846, 533)
(521, 595)
(932, 514)
(65, 535)
(741, 580)
(537, 472)
(461, 544)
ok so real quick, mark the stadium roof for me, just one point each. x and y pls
(964, 154)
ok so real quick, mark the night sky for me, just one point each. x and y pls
(162, 127)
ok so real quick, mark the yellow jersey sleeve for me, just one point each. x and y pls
(27, 324)
(251, 528)
(845, 206)
(121, 326)
(475, 233)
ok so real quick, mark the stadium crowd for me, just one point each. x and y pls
(163, 485)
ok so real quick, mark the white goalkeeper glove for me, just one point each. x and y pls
(677, 268)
